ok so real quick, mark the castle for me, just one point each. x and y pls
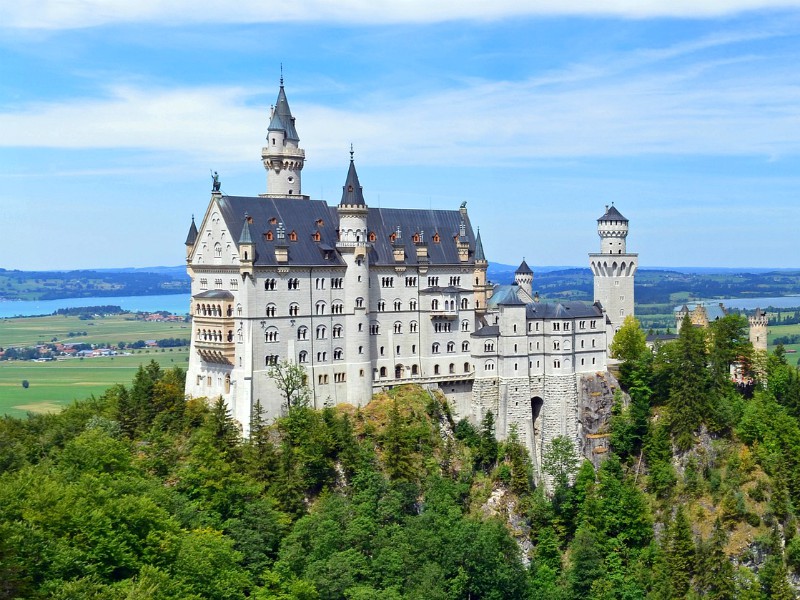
(368, 298)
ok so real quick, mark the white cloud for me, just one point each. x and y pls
(63, 14)
(643, 102)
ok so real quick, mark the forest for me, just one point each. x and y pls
(143, 494)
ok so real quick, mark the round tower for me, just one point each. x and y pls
(524, 278)
(283, 158)
(758, 330)
(354, 246)
(613, 269)
(612, 228)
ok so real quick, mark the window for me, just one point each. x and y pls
(435, 369)
(337, 308)
(582, 325)
(464, 325)
(319, 283)
(397, 305)
(465, 346)
(337, 331)
(302, 357)
(556, 345)
(398, 327)
(381, 351)
(234, 284)
(451, 346)
(556, 326)
(320, 308)
(434, 304)
(218, 250)
(271, 335)
(239, 310)
(488, 365)
(270, 310)
(321, 331)
(433, 281)
(337, 283)
(387, 282)
(411, 281)
(455, 281)
(271, 360)
(451, 369)
(412, 305)
(204, 284)
(322, 356)
(593, 324)
(294, 309)
(488, 347)
(557, 364)
(464, 304)
(566, 326)
(339, 377)
(293, 283)
(322, 379)
(269, 284)
(374, 328)
(583, 343)
(466, 367)
(381, 305)
(302, 333)
(594, 343)
(435, 348)
(412, 327)
(359, 302)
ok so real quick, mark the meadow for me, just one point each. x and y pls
(55, 384)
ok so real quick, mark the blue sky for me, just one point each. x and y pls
(538, 114)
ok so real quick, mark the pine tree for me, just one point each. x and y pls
(486, 455)
(715, 571)
(680, 555)
(690, 386)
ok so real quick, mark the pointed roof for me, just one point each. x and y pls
(612, 214)
(509, 297)
(523, 269)
(246, 236)
(191, 238)
(479, 255)
(282, 119)
(352, 193)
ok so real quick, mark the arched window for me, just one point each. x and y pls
(359, 302)
(464, 325)
(383, 371)
(321, 331)
(398, 327)
(435, 369)
(465, 346)
(414, 370)
(412, 327)
(338, 354)
(337, 308)
(451, 369)
(294, 309)
(397, 305)
(271, 335)
(270, 310)
(488, 347)
(488, 365)
(302, 357)
(451, 346)
(412, 305)
(337, 331)
(302, 333)
(435, 348)
(466, 367)
(434, 304)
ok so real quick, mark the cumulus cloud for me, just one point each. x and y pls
(58, 14)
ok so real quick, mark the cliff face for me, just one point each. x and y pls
(595, 399)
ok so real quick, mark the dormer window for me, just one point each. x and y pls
(349, 188)
(393, 237)
(293, 236)
(273, 221)
(416, 238)
(268, 236)
(372, 236)
(436, 238)
(316, 236)
(320, 223)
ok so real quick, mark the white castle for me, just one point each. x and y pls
(368, 298)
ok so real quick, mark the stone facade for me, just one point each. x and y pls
(369, 298)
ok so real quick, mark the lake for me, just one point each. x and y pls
(753, 303)
(174, 303)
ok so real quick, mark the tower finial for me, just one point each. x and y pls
(351, 151)
(281, 74)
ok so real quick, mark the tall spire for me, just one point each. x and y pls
(282, 119)
(479, 255)
(191, 238)
(246, 236)
(352, 194)
(282, 156)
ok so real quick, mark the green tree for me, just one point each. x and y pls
(715, 571)
(680, 555)
(486, 454)
(630, 342)
(560, 460)
(689, 386)
(292, 381)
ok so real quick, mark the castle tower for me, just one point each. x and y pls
(758, 330)
(524, 278)
(482, 291)
(191, 238)
(283, 158)
(613, 269)
(354, 247)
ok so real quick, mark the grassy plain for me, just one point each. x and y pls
(56, 384)
(29, 331)
(780, 331)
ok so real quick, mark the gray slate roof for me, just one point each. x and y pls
(352, 193)
(487, 331)
(563, 310)
(523, 269)
(612, 214)
(507, 296)
(282, 119)
(479, 255)
(214, 295)
(191, 238)
(306, 217)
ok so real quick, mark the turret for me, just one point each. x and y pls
(283, 158)
(480, 289)
(612, 228)
(191, 238)
(247, 248)
(758, 330)
(524, 278)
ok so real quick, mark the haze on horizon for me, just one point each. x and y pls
(537, 114)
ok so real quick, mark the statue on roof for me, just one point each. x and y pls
(215, 182)
(464, 204)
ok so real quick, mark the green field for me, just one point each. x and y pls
(54, 385)
(112, 329)
(780, 331)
